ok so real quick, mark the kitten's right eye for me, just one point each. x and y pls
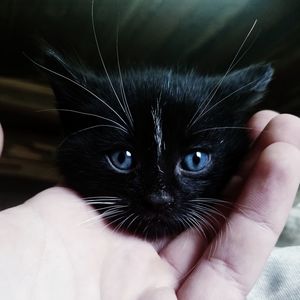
(195, 161)
(122, 160)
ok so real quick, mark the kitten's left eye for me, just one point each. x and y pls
(122, 160)
(195, 161)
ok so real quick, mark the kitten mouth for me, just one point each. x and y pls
(157, 219)
(150, 227)
(160, 216)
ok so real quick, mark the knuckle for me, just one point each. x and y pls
(265, 114)
(285, 121)
(282, 159)
(229, 272)
(259, 120)
(282, 128)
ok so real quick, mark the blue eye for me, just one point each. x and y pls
(195, 161)
(121, 160)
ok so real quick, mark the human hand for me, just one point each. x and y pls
(267, 183)
(48, 256)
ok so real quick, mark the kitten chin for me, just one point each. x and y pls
(152, 150)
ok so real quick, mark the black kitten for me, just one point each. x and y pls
(153, 150)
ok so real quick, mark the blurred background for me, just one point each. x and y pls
(200, 34)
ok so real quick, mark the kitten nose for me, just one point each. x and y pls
(160, 200)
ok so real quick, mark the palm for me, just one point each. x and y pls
(69, 259)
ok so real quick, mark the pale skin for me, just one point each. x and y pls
(48, 252)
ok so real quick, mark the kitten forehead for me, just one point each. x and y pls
(158, 138)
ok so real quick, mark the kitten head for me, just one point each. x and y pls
(154, 148)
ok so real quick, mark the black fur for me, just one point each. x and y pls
(157, 191)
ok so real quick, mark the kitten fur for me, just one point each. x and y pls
(159, 116)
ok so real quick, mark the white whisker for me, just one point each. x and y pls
(123, 222)
(98, 126)
(86, 114)
(110, 223)
(210, 211)
(210, 96)
(109, 209)
(223, 128)
(226, 97)
(195, 224)
(101, 202)
(132, 221)
(102, 197)
(89, 128)
(123, 94)
(77, 84)
(102, 60)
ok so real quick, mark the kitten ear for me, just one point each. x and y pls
(68, 83)
(249, 83)
(50, 60)
(253, 78)
(63, 73)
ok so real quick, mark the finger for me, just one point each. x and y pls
(159, 294)
(282, 128)
(259, 121)
(191, 244)
(242, 249)
(1, 139)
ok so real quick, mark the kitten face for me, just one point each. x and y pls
(156, 162)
